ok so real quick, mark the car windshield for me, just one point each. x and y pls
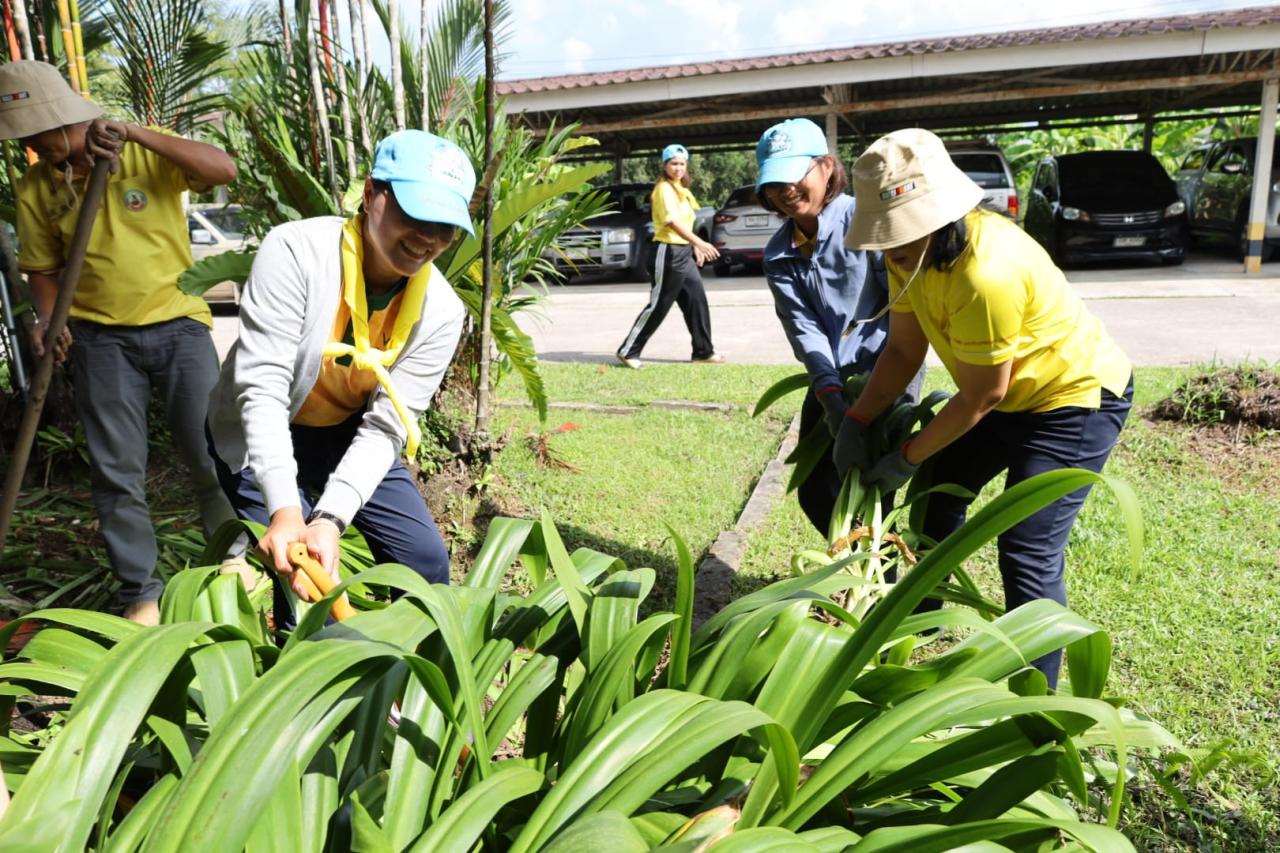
(1111, 169)
(986, 170)
(629, 199)
(227, 220)
(742, 197)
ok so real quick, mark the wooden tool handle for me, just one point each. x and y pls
(317, 581)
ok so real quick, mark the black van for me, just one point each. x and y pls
(1101, 205)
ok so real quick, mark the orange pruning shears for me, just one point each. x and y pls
(316, 581)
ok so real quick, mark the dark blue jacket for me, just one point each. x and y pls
(816, 298)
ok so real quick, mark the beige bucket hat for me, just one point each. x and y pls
(34, 98)
(906, 187)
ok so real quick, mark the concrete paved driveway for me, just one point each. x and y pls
(1194, 313)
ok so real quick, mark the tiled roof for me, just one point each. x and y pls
(1257, 16)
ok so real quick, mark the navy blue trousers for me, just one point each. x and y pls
(1024, 444)
(394, 521)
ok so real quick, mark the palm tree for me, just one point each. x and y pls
(166, 55)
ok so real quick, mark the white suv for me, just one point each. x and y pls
(987, 166)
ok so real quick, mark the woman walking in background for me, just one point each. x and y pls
(677, 256)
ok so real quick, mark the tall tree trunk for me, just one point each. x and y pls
(23, 27)
(317, 94)
(286, 35)
(397, 77)
(344, 97)
(326, 42)
(424, 65)
(486, 287)
(359, 43)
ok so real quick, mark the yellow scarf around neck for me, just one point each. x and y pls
(363, 356)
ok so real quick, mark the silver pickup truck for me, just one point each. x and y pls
(1214, 181)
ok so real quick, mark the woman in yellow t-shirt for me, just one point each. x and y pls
(674, 264)
(1041, 385)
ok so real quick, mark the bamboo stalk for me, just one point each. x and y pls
(42, 40)
(286, 39)
(321, 107)
(23, 27)
(397, 74)
(11, 34)
(326, 43)
(57, 322)
(78, 38)
(344, 97)
(68, 43)
(486, 286)
(351, 12)
(424, 66)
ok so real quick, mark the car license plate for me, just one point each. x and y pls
(757, 220)
(1129, 242)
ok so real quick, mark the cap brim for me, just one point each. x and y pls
(783, 170)
(430, 202)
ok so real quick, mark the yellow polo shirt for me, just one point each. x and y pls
(672, 203)
(139, 244)
(1004, 300)
(340, 391)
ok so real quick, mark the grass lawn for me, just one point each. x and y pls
(1195, 628)
(691, 469)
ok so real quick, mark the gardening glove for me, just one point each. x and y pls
(891, 472)
(852, 445)
(833, 405)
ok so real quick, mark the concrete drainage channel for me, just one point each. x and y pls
(713, 587)
(714, 582)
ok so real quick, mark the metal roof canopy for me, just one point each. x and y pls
(1143, 68)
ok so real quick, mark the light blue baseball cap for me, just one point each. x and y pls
(674, 150)
(431, 177)
(784, 151)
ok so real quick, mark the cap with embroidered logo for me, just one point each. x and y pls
(906, 187)
(34, 98)
(785, 150)
(675, 149)
(431, 177)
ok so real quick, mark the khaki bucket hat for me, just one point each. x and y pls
(34, 98)
(906, 187)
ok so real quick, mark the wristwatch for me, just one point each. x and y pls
(319, 514)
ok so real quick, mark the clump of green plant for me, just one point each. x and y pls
(1247, 394)
(457, 718)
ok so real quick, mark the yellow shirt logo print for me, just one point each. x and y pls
(135, 199)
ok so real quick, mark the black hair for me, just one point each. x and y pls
(380, 186)
(949, 243)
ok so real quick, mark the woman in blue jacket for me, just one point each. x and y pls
(819, 289)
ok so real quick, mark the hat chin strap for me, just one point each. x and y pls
(924, 253)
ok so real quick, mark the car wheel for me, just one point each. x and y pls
(1173, 261)
(723, 268)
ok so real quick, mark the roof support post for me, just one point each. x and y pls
(832, 135)
(1148, 131)
(1262, 175)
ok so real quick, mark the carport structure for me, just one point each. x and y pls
(1139, 70)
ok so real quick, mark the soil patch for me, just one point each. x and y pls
(1247, 396)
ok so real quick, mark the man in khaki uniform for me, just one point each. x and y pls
(131, 328)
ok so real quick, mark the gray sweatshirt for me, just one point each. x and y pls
(286, 315)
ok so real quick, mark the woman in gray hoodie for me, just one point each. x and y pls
(346, 329)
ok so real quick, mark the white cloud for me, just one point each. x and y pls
(576, 54)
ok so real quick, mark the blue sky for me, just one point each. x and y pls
(552, 37)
